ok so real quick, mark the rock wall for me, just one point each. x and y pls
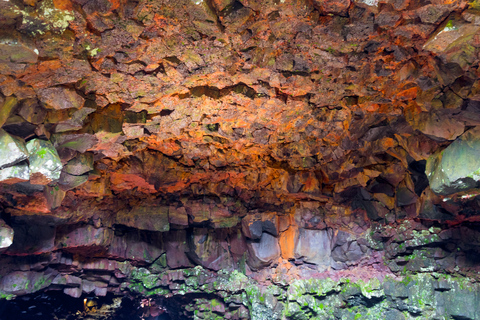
(290, 159)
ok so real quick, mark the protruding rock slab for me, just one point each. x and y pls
(33, 235)
(12, 51)
(456, 168)
(15, 174)
(60, 98)
(45, 164)
(24, 282)
(313, 246)
(145, 218)
(79, 165)
(263, 252)
(12, 150)
(84, 237)
(137, 245)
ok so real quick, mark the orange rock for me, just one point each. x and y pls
(287, 243)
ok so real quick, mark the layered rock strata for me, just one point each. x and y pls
(170, 148)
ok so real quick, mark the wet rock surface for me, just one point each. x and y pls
(241, 159)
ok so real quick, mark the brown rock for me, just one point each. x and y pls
(176, 248)
(60, 98)
(145, 218)
(335, 7)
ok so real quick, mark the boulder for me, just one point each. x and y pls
(12, 150)
(457, 167)
(263, 252)
(45, 164)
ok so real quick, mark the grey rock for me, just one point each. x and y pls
(45, 164)
(15, 174)
(313, 246)
(456, 168)
(6, 236)
(12, 150)
(263, 252)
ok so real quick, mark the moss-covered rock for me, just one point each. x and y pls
(456, 168)
(45, 164)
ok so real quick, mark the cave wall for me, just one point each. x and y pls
(291, 159)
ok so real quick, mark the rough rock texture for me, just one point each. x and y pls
(285, 143)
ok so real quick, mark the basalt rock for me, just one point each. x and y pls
(242, 159)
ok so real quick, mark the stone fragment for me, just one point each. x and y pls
(6, 236)
(287, 243)
(263, 252)
(54, 196)
(17, 126)
(32, 111)
(313, 246)
(6, 108)
(51, 73)
(13, 51)
(438, 127)
(75, 122)
(432, 13)
(12, 150)
(68, 182)
(221, 5)
(77, 142)
(14, 174)
(145, 218)
(45, 164)
(457, 167)
(73, 292)
(332, 6)
(60, 98)
(79, 165)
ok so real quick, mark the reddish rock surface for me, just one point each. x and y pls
(248, 135)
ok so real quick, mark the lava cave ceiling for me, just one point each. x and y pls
(239, 159)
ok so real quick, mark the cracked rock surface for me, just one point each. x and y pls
(227, 157)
